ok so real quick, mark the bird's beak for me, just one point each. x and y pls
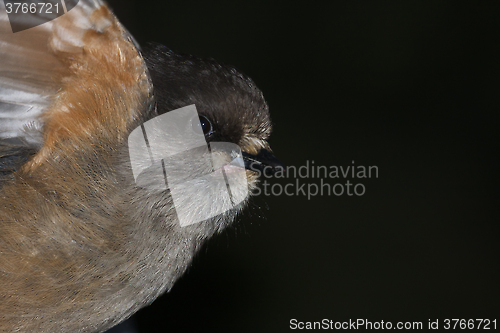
(264, 162)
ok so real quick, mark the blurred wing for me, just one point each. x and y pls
(39, 65)
(26, 70)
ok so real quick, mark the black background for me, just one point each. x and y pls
(411, 87)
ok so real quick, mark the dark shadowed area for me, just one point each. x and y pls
(410, 87)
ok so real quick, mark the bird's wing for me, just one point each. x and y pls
(40, 66)
(84, 85)
(27, 71)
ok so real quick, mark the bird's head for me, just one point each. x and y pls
(209, 157)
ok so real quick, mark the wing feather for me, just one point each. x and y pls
(39, 64)
(31, 68)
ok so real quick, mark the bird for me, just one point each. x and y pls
(89, 234)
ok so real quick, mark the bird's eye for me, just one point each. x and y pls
(203, 124)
